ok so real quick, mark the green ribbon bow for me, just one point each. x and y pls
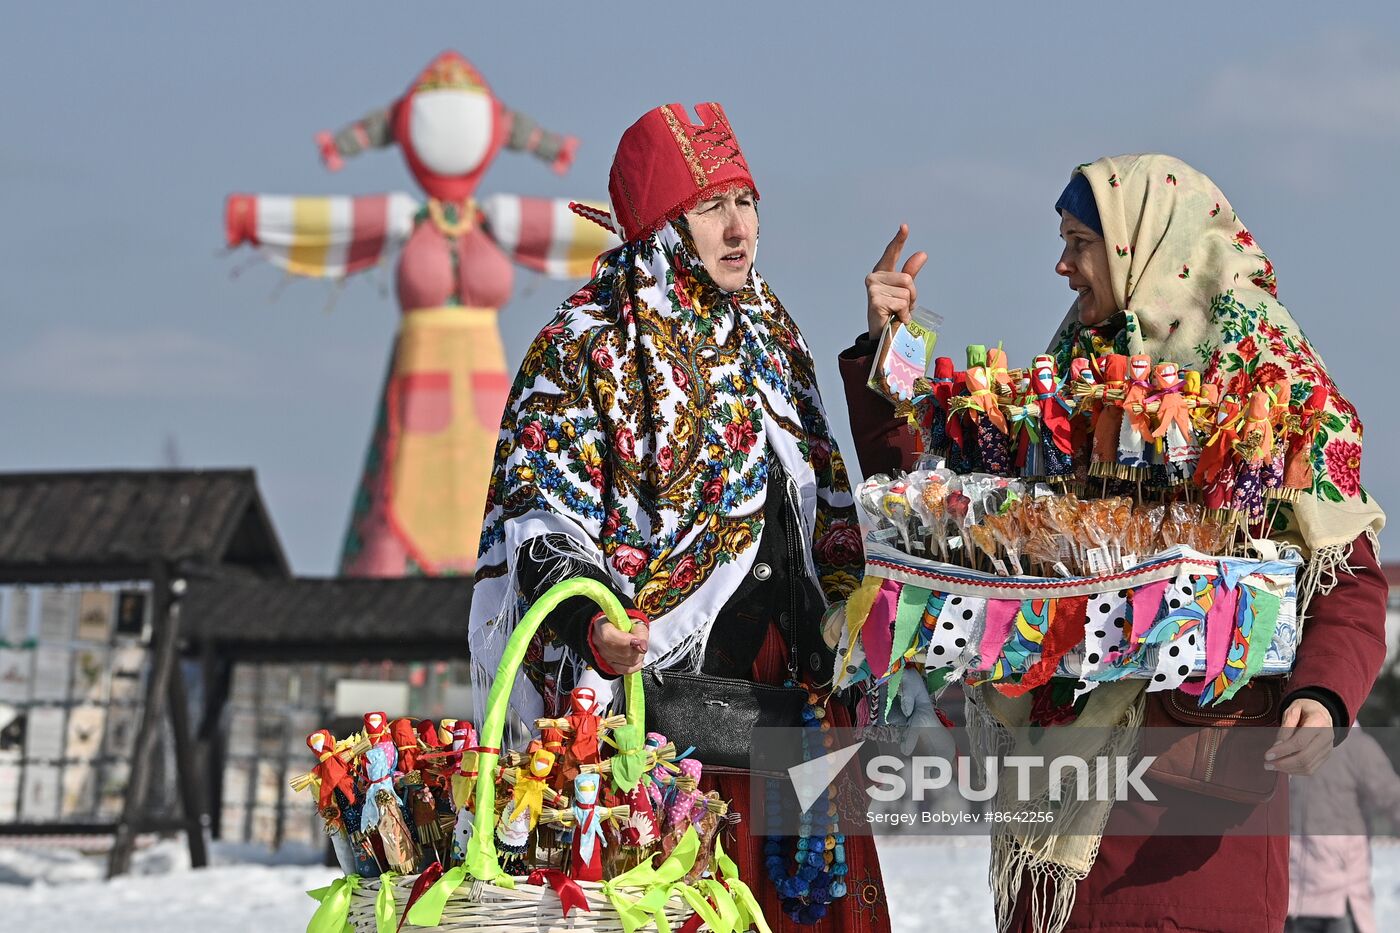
(657, 883)
(629, 764)
(1027, 419)
(427, 910)
(750, 912)
(333, 916)
(384, 904)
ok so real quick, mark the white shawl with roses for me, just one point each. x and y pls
(640, 427)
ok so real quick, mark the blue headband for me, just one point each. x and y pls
(1078, 199)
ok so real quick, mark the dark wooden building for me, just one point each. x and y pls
(219, 595)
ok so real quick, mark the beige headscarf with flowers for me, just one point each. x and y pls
(1196, 289)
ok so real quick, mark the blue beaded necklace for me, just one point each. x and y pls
(820, 876)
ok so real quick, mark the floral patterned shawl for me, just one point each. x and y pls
(640, 426)
(1197, 290)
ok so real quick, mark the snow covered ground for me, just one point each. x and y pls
(251, 891)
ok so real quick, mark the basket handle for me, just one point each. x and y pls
(482, 861)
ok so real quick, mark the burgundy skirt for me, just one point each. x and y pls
(864, 908)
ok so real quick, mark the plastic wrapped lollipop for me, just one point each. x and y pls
(868, 494)
(958, 507)
(894, 506)
(1007, 532)
(1120, 520)
(928, 498)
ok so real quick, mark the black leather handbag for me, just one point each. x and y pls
(717, 715)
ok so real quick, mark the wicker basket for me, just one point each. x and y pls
(489, 899)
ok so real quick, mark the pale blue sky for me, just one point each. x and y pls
(125, 124)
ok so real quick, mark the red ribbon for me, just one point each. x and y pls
(425, 881)
(570, 894)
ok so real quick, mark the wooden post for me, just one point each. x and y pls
(157, 687)
(211, 741)
(186, 771)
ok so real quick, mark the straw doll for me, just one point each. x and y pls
(1174, 432)
(1136, 426)
(1108, 425)
(984, 414)
(522, 812)
(1056, 443)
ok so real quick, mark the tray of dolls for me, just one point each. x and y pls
(1179, 613)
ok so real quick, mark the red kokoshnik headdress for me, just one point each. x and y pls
(665, 165)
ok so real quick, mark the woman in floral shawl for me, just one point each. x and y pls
(665, 436)
(1164, 267)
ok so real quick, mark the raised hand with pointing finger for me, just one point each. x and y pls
(891, 294)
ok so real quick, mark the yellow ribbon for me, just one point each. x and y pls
(384, 904)
(529, 792)
(659, 883)
(427, 910)
(333, 916)
(724, 904)
(858, 606)
(750, 912)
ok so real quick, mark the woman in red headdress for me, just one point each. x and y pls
(665, 436)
